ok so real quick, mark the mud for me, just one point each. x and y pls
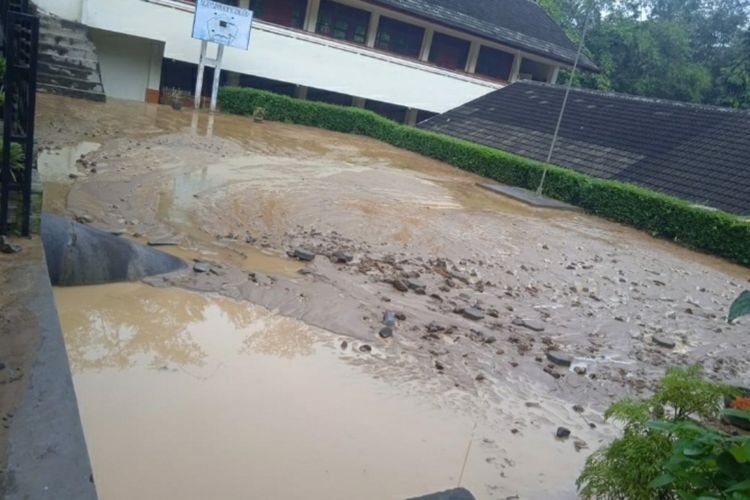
(230, 190)
(240, 402)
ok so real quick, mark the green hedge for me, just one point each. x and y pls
(663, 216)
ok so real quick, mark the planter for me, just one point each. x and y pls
(740, 402)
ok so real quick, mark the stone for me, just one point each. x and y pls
(365, 348)
(163, 241)
(578, 409)
(304, 255)
(417, 286)
(534, 326)
(664, 342)
(401, 316)
(386, 332)
(562, 433)
(201, 267)
(559, 358)
(344, 345)
(84, 219)
(8, 247)
(439, 366)
(400, 285)
(473, 314)
(117, 231)
(580, 370)
(342, 258)
(389, 318)
(579, 444)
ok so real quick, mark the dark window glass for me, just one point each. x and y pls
(343, 22)
(494, 63)
(398, 37)
(449, 52)
(282, 12)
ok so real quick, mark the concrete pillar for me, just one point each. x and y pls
(372, 30)
(156, 58)
(233, 79)
(424, 53)
(358, 102)
(471, 61)
(516, 68)
(411, 117)
(301, 92)
(553, 75)
(311, 16)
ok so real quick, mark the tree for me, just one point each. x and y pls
(735, 78)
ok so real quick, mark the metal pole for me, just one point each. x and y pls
(565, 100)
(199, 80)
(217, 77)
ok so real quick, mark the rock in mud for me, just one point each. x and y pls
(342, 258)
(164, 241)
(304, 255)
(386, 332)
(579, 444)
(562, 433)
(401, 316)
(534, 326)
(559, 358)
(473, 314)
(389, 318)
(664, 342)
(344, 345)
(400, 285)
(580, 370)
(417, 286)
(578, 409)
(201, 267)
(365, 348)
(8, 247)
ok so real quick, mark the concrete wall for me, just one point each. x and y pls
(129, 65)
(295, 57)
(67, 9)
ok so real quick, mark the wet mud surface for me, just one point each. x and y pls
(482, 288)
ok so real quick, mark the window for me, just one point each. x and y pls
(398, 37)
(532, 70)
(343, 22)
(289, 13)
(494, 63)
(449, 52)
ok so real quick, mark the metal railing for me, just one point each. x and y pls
(20, 44)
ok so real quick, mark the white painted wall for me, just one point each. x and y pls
(127, 64)
(67, 9)
(295, 57)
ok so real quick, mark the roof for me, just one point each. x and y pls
(698, 153)
(520, 24)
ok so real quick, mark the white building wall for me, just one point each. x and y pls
(295, 57)
(127, 64)
(67, 9)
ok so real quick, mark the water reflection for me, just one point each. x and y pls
(121, 326)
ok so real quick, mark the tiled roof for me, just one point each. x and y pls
(699, 153)
(520, 24)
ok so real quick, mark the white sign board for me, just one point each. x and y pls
(222, 24)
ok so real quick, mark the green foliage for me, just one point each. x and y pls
(661, 215)
(16, 159)
(741, 306)
(664, 453)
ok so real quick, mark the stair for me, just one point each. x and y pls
(68, 64)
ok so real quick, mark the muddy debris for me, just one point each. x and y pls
(342, 258)
(534, 326)
(580, 444)
(386, 332)
(365, 348)
(202, 267)
(303, 255)
(473, 314)
(389, 318)
(559, 358)
(164, 241)
(562, 433)
(665, 342)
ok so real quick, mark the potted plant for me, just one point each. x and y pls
(175, 97)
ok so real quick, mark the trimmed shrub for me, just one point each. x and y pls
(663, 216)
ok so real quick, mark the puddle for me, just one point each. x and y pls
(245, 257)
(193, 397)
(189, 397)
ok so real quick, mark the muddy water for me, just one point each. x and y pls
(193, 397)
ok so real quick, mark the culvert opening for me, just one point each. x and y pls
(79, 255)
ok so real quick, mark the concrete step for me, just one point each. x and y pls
(68, 52)
(69, 70)
(78, 94)
(67, 36)
(89, 64)
(70, 82)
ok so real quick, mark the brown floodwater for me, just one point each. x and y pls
(190, 396)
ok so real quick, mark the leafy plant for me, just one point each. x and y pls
(635, 465)
(16, 159)
(741, 306)
(661, 215)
